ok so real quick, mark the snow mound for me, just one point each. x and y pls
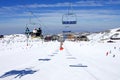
(105, 36)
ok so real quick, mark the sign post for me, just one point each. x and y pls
(27, 32)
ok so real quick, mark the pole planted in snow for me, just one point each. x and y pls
(27, 32)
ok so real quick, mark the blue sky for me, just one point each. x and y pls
(92, 15)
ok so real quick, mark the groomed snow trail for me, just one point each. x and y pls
(54, 64)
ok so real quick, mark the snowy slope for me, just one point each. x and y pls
(44, 61)
(105, 36)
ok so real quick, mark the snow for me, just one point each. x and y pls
(49, 63)
(105, 35)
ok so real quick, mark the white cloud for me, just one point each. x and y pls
(98, 2)
(52, 16)
(65, 4)
(115, 2)
(77, 4)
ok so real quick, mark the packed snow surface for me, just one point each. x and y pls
(45, 61)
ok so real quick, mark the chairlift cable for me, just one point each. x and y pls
(70, 17)
(31, 13)
(37, 19)
(70, 9)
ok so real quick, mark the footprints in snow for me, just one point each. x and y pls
(78, 65)
(44, 59)
(70, 57)
(51, 55)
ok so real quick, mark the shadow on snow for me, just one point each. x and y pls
(18, 73)
(44, 59)
(78, 65)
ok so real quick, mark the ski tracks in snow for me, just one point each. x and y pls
(97, 71)
(85, 69)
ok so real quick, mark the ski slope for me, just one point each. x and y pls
(105, 35)
(44, 61)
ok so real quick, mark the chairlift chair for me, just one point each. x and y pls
(69, 18)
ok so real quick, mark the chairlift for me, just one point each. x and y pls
(69, 18)
(65, 34)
